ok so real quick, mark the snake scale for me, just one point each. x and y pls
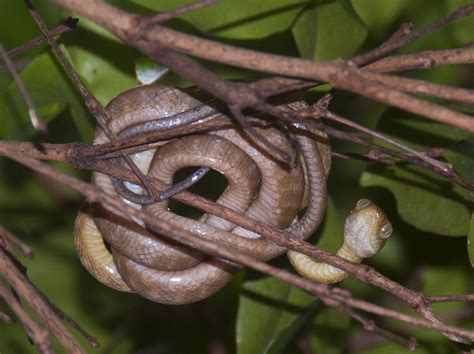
(130, 256)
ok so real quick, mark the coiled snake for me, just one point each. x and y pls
(129, 257)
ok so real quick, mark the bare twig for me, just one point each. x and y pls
(337, 118)
(63, 316)
(450, 298)
(423, 60)
(160, 43)
(96, 109)
(26, 250)
(68, 25)
(395, 41)
(423, 87)
(389, 156)
(259, 138)
(7, 319)
(406, 36)
(371, 327)
(35, 118)
(165, 16)
(38, 335)
(26, 290)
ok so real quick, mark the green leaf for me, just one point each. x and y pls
(423, 199)
(244, 19)
(461, 156)
(328, 331)
(329, 30)
(106, 65)
(51, 91)
(13, 13)
(149, 71)
(270, 312)
(378, 15)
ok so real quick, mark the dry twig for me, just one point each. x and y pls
(170, 47)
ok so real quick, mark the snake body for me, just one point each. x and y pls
(129, 256)
(365, 231)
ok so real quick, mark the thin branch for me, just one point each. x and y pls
(400, 38)
(401, 100)
(165, 16)
(407, 36)
(423, 87)
(381, 153)
(63, 316)
(26, 250)
(337, 118)
(450, 298)
(96, 109)
(35, 118)
(38, 335)
(258, 138)
(26, 290)
(7, 319)
(157, 44)
(423, 60)
(68, 25)
(371, 327)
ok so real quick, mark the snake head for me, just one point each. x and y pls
(366, 229)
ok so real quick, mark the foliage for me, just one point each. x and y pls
(264, 315)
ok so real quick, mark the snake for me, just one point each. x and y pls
(128, 255)
(366, 230)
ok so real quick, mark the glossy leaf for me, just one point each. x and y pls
(50, 90)
(105, 64)
(423, 199)
(148, 71)
(329, 30)
(379, 15)
(244, 19)
(461, 156)
(270, 312)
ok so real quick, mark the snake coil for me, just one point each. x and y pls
(133, 257)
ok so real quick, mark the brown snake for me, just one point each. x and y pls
(129, 257)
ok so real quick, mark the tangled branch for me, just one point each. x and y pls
(364, 75)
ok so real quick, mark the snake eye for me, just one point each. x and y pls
(386, 230)
(362, 203)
